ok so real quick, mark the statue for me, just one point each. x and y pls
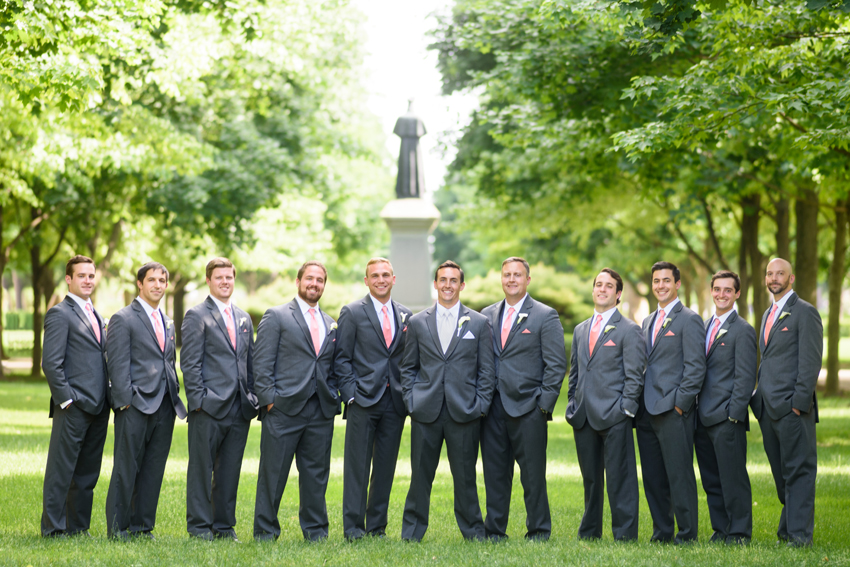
(410, 182)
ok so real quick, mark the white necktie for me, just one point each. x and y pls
(445, 330)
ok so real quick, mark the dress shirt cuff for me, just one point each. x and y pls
(732, 419)
(628, 413)
(64, 405)
(350, 400)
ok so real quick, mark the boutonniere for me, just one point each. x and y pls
(105, 322)
(720, 334)
(241, 321)
(783, 314)
(333, 326)
(460, 323)
(666, 322)
(520, 317)
(167, 325)
(403, 316)
(608, 328)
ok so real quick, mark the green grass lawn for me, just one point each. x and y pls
(25, 430)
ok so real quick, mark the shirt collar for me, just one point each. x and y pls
(780, 305)
(454, 311)
(146, 306)
(80, 301)
(378, 305)
(305, 306)
(606, 316)
(722, 318)
(221, 305)
(670, 307)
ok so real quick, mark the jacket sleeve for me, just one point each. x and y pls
(56, 328)
(118, 350)
(554, 360)
(693, 351)
(809, 357)
(265, 357)
(192, 359)
(486, 382)
(409, 368)
(634, 365)
(343, 368)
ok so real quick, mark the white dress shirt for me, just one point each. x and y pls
(513, 315)
(321, 320)
(667, 311)
(378, 307)
(221, 307)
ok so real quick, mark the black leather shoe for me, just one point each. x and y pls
(205, 536)
(737, 540)
(717, 537)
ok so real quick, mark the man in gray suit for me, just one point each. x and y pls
(447, 377)
(368, 351)
(675, 371)
(75, 368)
(217, 364)
(791, 342)
(607, 363)
(297, 392)
(531, 362)
(145, 395)
(723, 419)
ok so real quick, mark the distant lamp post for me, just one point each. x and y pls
(411, 219)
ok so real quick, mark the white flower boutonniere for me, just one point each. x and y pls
(333, 326)
(608, 328)
(720, 334)
(403, 316)
(783, 314)
(241, 321)
(666, 322)
(460, 323)
(520, 317)
(167, 325)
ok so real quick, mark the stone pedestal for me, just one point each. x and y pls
(411, 221)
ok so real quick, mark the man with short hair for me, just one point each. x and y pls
(447, 377)
(675, 371)
(217, 364)
(608, 359)
(785, 403)
(297, 392)
(145, 395)
(720, 439)
(369, 349)
(530, 363)
(74, 365)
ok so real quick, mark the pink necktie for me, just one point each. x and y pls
(659, 323)
(388, 333)
(314, 330)
(94, 325)
(506, 328)
(713, 335)
(157, 327)
(769, 323)
(594, 333)
(228, 322)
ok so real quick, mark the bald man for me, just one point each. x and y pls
(791, 343)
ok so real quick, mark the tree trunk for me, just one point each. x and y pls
(783, 233)
(750, 234)
(37, 323)
(837, 272)
(179, 295)
(743, 271)
(806, 262)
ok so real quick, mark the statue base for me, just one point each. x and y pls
(411, 221)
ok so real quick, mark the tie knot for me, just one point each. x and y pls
(598, 319)
(716, 323)
(88, 307)
(661, 314)
(227, 311)
(510, 311)
(312, 312)
(384, 309)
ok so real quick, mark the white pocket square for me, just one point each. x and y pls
(469, 335)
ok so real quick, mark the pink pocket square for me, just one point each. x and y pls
(670, 334)
(785, 329)
(525, 332)
(405, 329)
(722, 344)
(333, 341)
(609, 343)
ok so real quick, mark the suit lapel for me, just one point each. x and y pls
(724, 327)
(169, 344)
(399, 325)
(526, 307)
(458, 331)
(216, 314)
(299, 318)
(672, 316)
(146, 321)
(85, 318)
(789, 305)
(372, 315)
(496, 324)
(431, 320)
(329, 323)
(603, 335)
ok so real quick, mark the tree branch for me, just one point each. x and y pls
(713, 234)
(690, 248)
(799, 127)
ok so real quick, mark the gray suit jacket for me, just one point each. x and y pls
(139, 373)
(606, 384)
(213, 372)
(531, 367)
(675, 365)
(363, 363)
(730, 372)
(286, 369)
(790, 361)
(464, 376)
(72, 359)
